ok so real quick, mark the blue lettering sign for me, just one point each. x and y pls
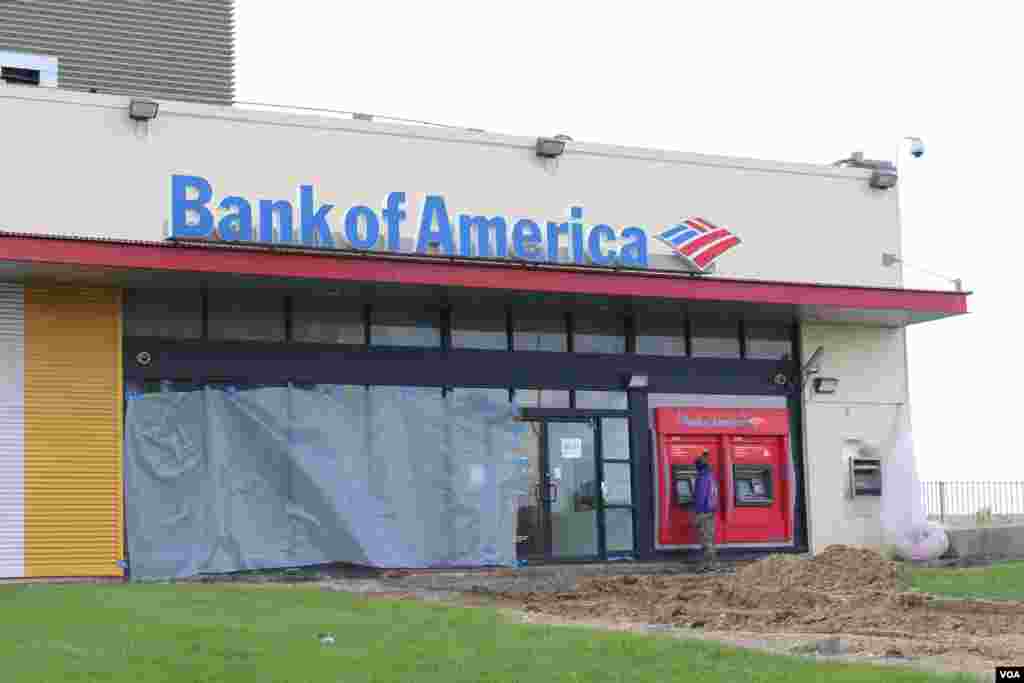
(576, 213)
(237, 226)
(598, 257)
(484, 227)
(181, 204)
(634, 254)
(196, 214)
(526, 240)
(393, 217)
(315, 230)
(555, 231)
(283, 210)
(369, 220)
(434, 211)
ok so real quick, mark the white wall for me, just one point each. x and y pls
(870, 364)
(78, 166)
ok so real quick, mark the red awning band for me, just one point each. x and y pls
(174, 257)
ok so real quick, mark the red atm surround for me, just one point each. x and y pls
(749, 454)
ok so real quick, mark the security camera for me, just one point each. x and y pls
(916, 147)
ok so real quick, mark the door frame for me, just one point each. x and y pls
(545, 416)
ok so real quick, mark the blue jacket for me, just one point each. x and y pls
(703, 498)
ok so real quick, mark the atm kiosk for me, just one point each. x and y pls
(748, 451)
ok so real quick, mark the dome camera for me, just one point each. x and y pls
(916, 147)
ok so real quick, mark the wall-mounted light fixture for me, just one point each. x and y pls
(637, 382)
(551, 148)
(825, 385)
(143, 110)
(883, 173)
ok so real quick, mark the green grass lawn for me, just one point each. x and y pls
(189, 632)
(1003, 581)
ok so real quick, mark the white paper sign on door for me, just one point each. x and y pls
(572, 448)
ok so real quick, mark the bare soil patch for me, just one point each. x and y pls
(849, 592)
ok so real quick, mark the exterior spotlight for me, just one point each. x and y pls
(551, 148)
(883, 173)
(825, 385)
(884, 176)
(143, 110)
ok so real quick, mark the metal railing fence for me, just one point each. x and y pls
(946, 499)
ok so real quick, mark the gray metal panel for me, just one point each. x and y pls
(12, 431)
(165, 49)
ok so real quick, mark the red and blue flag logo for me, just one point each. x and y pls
(699, 242)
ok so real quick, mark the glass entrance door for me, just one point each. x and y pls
(573, 490)
(578, 502)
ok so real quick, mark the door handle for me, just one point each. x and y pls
(551, 487)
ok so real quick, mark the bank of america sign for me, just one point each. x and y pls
(699, 242)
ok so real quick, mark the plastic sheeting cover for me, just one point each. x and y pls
(225, 479)
(905, 526)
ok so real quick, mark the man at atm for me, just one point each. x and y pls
(705, 505)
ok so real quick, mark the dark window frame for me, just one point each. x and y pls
(630, 328)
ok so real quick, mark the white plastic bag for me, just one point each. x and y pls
(905, 526)
(924, 543)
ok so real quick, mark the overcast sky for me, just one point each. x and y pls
(788, 81)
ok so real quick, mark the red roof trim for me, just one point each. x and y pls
(486, 275)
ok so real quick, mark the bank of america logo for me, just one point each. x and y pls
(699, 242)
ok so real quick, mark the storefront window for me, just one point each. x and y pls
(246, 315)
(601, 400)
(614, 438)
(619, 530)
(769, 341)
(476, 329)
(540, 334)
(542, 398)
(167, 313)
(390, 327)
(660, 335)
(598, 334)
(326, 320)
(715, 337)
(617, 483)
(393, 476)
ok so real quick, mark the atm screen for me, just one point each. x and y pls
(683, 483)
(753, 485)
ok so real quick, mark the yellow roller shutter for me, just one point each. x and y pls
(73, 427)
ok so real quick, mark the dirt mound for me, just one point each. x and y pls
(838, 569)
(841, 590)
